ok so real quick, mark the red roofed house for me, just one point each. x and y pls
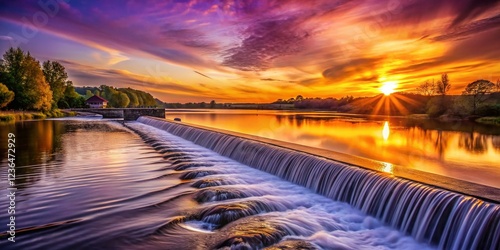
(96, 102)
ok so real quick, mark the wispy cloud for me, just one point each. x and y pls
(265, 45)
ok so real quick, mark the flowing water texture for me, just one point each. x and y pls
(98, 185)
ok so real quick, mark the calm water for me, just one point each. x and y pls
(98, 185)
(463, 150)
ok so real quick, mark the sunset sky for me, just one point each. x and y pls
(259, 51)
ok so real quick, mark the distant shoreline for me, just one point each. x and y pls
(444, 118)
(13, 116)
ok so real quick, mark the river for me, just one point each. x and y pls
(462, 150)
(97, 184)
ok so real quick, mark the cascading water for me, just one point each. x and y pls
(238, 207)
(432, 215)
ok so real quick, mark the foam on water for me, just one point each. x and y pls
(432, 215)
(248, 208)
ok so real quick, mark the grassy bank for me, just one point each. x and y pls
(489, 120)
(10, 116)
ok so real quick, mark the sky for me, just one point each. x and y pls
(259, 51)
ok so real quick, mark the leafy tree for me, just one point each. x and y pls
(107, 93)
(88, 94)
(427, 88)
(132, 96)
(118, 99)
(479, 91)
(22, 74)
(212, 104)
(134, 101)
(444, 85)
(55, 74)
(136, 98)
(6, 96)
(71, 98)
(123, 100)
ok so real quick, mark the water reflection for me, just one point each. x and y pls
(495, 142)
(441, 144)
(385, 131)
(41, 146)
(473, 142)
(37, 145)
(462, 150)
(388, 168)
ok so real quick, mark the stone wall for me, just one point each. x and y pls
(131, 114)
(128, 114)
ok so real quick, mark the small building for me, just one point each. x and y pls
(96, 102)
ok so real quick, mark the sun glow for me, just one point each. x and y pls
(388, 87)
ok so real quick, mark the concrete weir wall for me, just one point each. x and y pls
(131, 114)
(128, 114)
(459, 186)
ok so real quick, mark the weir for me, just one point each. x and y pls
(128, 114)
(447, 219)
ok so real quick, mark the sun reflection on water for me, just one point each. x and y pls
(426, 145)
(385, 131)
(387, 167)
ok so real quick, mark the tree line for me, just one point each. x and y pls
(195, 105)
(330, 103)
(480, 97)
(119, 97)
(25, 84)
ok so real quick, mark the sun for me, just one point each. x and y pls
(388, 87)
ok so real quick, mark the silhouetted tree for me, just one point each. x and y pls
(427, 88)
(444, 85)
(479, 91)
(212, 104)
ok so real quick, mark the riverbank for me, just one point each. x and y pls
(490, 120)
(11, 116)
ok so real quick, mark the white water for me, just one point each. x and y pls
(305, 215)
(443, 218)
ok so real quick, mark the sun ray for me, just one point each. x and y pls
(387, 105)
(378, 106)
(408, 100)
(397, 104)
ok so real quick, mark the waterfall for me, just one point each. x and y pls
(440, 217)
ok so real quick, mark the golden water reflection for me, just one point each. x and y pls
(385, 131)
(460, 150)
